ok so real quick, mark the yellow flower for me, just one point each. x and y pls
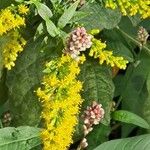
(130, 7)
(61, 100)
(12, 48)
(22, 9)
(98, 51)
(9, 20)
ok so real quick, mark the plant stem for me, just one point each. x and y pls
(134, 40)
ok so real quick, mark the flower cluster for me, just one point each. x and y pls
(79, 40)
(12, 48)
(10, 20)
(22, 9)
(142, 35)
(61, 100)
(130, 7)
(92, 116)
(98, 51)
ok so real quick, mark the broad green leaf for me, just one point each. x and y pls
(21, 138)
(129, 117)
(135, 81)
(100, 17)
(51, 28)
(25, 78)
(43, 10)
(135, 143)
(97, 86)
(67, 15)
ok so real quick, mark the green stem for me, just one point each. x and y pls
(134, 40)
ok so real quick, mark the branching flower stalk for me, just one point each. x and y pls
(61, 100)
(98, 51)
(11, 19)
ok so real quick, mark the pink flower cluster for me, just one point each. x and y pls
(92, 116)
(142, 35)
(79, 40)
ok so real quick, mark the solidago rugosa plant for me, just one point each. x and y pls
(76, 71)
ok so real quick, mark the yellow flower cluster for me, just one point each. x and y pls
(130, 7)
(10, 20)
(98, 51)
(11, 49)
(61, 100)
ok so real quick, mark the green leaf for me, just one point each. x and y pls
(21, 138)
(129, 117)
(120, 46)
(135, 81)
(67, 15)
(98, 86)
(100, 17)
(135, 143)
(43, 10)
(25, 78)
(51, 28)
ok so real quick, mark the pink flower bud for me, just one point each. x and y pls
(79, 40)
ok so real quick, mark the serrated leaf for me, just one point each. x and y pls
(43, 10)
(51, 28)
(129, 117)
(21, 138)
(135, 143)
(98, 86)
(67, 15)
(100, 17)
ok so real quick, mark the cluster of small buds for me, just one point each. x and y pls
(84, 143)
(79, 40)
(92, 116)
(142, 35)
(6, 119)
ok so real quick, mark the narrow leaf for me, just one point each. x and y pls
(43, 10)
(67, 15)
(128, 117)
(51, 28)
